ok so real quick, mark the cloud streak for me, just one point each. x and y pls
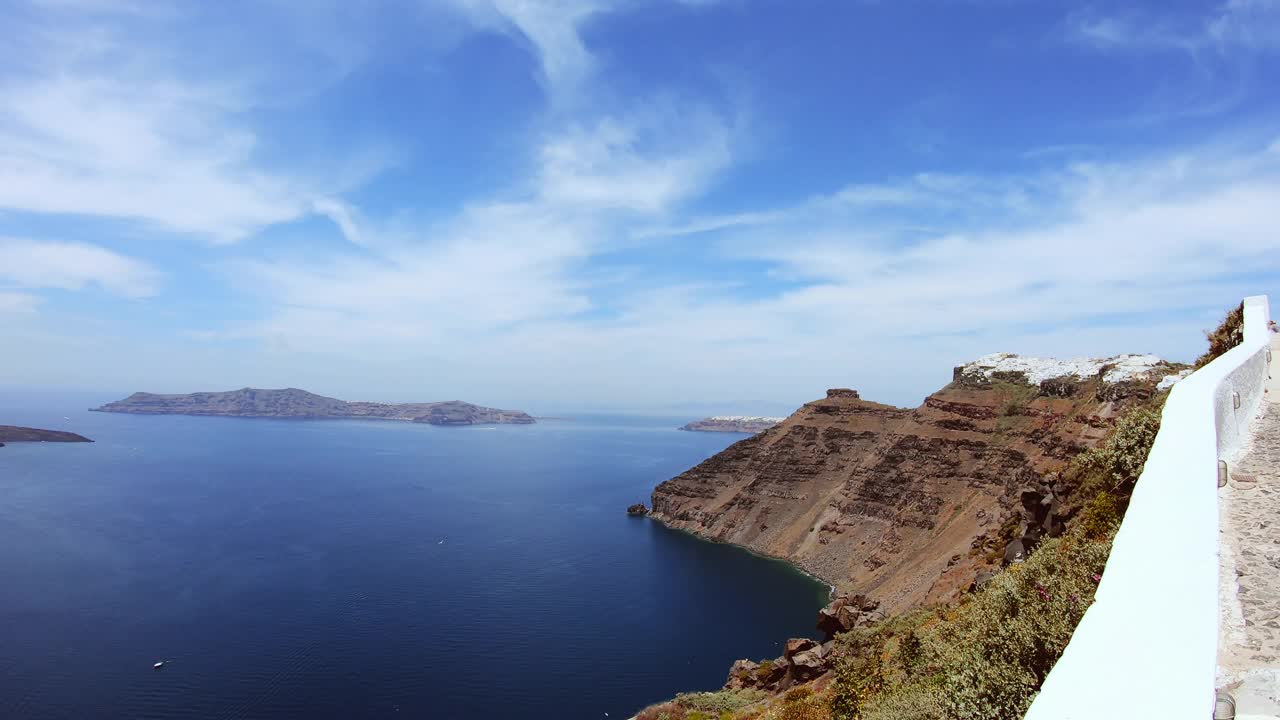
(504, 262)
(1234, 25)
(552, 30)
(102, 124)
(1104, 254)
(72, 266)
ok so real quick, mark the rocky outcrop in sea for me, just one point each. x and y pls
(16, 433)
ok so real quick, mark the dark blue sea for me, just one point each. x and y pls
(363, 569)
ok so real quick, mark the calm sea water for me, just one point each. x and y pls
(363, 569)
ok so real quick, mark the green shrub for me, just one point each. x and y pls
(915, 702)
(797, 694)
(800, 703)
(1014, 396)
(857, 680)
(716, 703)
(662, 711)
(1227, 335)
(910, 651)
(1101, 517)
(1116, 464)
(1003, 644)
(986, 657)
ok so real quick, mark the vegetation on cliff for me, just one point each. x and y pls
(1228, 334)
(704, 705)
(986, 655)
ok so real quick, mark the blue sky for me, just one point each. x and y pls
(621, 204)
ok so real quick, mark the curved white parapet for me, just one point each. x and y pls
(1148, 646)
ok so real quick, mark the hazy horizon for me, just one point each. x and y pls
(623, 205)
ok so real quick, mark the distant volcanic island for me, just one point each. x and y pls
(733, 423)
(295, 403)
(14, 433)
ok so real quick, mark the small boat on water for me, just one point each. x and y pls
(160, 664)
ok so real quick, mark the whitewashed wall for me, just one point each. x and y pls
(1148, 646)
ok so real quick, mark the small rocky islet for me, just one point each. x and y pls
(17, 433)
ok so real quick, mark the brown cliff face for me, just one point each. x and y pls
(905, 506)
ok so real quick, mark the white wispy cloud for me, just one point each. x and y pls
(101, 121)
(551, 29)
(73, 266)
(512, 260)
(1233, 25)
(150, 152)
(16, 302)
(646, 162)
(1074, 259)
(554, 283)
(1250, 24)
(484, 273)
(1104, 276)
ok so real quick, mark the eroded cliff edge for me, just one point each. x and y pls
(912, 506)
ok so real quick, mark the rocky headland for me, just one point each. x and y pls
(965, 539)
(295, 403)
(15, 433)
(911, 515)
(914, 506)
(750, 424)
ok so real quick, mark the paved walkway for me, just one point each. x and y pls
(1249, 647)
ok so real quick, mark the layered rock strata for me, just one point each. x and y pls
(913, 506)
